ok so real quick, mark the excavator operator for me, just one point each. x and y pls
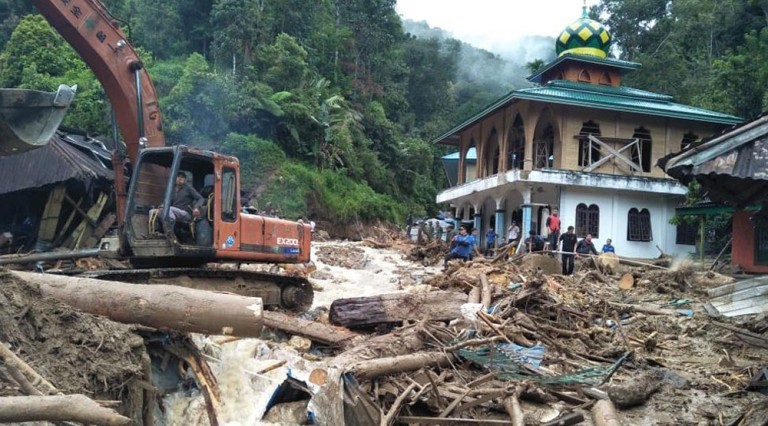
(185, 205)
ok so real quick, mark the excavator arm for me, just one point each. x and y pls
(89, 28)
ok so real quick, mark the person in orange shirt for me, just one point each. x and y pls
(553, 226)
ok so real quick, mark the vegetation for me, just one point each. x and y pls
(330, 105)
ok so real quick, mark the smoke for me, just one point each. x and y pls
(500, 70)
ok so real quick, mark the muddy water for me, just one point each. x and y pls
(246, 394)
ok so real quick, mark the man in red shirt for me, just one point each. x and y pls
(553, 226)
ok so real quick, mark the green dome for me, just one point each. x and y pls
(584, 37)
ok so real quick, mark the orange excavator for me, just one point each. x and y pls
(223, 233)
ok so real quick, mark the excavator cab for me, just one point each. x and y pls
(150, 196)
(221, 232)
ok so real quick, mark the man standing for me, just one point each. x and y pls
(185, 204)
(553, 227)
(568, 241)
(490, 241)
(513, 232)
(608, 247)
(461, 246)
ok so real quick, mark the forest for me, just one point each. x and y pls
(331, 105)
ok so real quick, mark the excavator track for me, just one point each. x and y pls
(276, 291)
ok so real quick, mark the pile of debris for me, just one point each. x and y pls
(505, 342)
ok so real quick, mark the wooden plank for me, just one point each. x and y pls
(93, 213)
(51, 213)
(450, 421)
(100, 230)
(71, 217)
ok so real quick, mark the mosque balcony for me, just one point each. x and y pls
(520, 179)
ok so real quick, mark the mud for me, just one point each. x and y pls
(75, 351)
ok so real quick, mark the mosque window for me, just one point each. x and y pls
(516, 150)
(584, 77)
(605, 79)
(589, 152)
(587, 220)
(641, 151)
(689, 139)
(545, 148)
(639, 225)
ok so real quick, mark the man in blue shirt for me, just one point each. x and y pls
(608, 247)
(462, 246)
(490, 242)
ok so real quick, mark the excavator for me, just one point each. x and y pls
(145, 177)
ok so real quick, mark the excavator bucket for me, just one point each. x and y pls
(29, 118)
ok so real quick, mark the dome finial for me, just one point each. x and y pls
(584, 36)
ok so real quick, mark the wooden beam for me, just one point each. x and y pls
(100, 230)
(71, 217)
(51, 214)
(613, 154)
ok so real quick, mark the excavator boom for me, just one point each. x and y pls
(89, 28)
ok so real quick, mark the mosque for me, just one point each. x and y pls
(580, 141)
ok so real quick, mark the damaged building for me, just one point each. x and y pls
(581, 141)
(56, 196)
(732, 170)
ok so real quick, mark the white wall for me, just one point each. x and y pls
(614, 209)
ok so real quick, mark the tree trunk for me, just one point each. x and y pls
(312, 330)
(397, 307)
(62, 408)
(158, 306)
(384, 366)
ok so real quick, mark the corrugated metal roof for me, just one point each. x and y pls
(622, 66)
(625, 99)
(731, 166)
(741, 298)
(56, 162)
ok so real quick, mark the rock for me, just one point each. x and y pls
(289, 413)
(301, 344)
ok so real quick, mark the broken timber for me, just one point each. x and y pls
(396, 307)
(333, 336)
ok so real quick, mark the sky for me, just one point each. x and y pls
(492, 24)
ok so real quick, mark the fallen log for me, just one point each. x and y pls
(487, 291)
(312, 330)
(158, 306)
(364, 370)
(59, 408)
(396, 307)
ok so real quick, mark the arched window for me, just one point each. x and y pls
(605, 79)
(587, 220)
(545, 148)
(689, 139)
(516, 150)
(589, 152)
(641, 152)
(491, 154)
(470, 163)
(639, 225)
(584, 77)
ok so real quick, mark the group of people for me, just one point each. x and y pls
(464, 245)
